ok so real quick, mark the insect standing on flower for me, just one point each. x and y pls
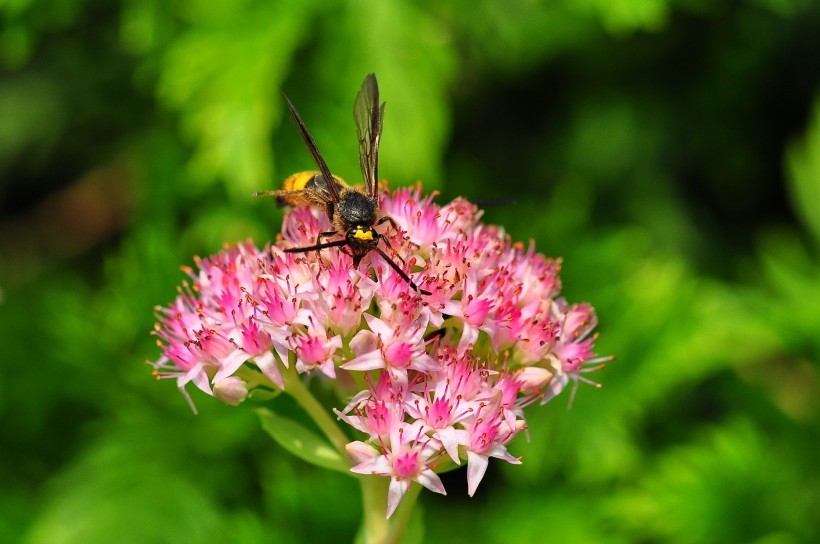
(353, 211)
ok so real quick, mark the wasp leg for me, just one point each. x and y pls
(281, 194)
(319, 240)
(388, 219)
(285, 198)
(390, 247)
(400, 272)
(324, 235)
(317, 247)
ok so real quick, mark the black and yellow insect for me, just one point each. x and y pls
(353, 210)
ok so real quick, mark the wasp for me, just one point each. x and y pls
(353, 210)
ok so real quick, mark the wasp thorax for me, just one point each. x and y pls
(357, 208)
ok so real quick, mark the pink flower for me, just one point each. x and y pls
(313, 348)
(376, 411)
(210, 328)
(397, 348)
(573, 355)
(473, 308)
(342, 299)
(445, 375)
(488, 433)
(409, 455)
(442, 407)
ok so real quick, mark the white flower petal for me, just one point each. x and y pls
(230, 364)
(269, 366)
(431, 481)
(451, 438)
(364, 341)
(476, 467)
(360, 452)
(395, 493)
(368, 361)
(379, 327)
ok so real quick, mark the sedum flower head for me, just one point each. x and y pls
(444, 377)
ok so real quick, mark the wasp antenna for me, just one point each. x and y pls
(400, 272)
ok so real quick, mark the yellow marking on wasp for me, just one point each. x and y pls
(299, 180)
(363, 234)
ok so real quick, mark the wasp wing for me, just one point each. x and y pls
(369, 115)
(314, 151)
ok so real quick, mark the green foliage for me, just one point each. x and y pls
(301, 442)
(669, 151)
(804, 174)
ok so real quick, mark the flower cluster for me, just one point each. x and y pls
(441, 377)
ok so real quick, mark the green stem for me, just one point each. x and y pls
(376, 528)
(320, 415)
(375, 525)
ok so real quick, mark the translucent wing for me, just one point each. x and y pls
(369, 115)
(314, 151)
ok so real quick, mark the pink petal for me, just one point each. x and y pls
(533, 378)
(283, 352)
(500, 452)
(452, 307)
(328, 369)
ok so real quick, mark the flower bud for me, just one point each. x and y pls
(231, 390)
(533, 378)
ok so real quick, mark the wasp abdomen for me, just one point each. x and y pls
(310, 180)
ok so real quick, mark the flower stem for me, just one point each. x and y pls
(318, 413)
(376, 528)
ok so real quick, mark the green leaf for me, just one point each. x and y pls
(222, 77)
(627, 15)
(301, 442)
(389, 39)
(803, 158)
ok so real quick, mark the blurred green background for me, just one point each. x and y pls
(668, 150)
